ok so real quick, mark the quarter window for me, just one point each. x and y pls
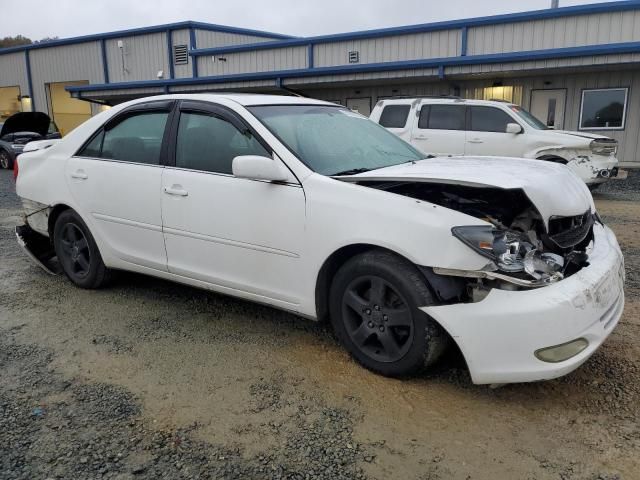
(603, 109)
(395, 116)
(489, 119)
(210, 144)
(442, 117)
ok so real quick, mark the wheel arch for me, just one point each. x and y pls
(553, 158)
(442, 288)
(55, 212)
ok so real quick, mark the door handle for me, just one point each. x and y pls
(476, 140)
(176, 190)
(420, 137)
(80, 175)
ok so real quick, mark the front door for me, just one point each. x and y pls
(487, 133)
(548, 107)
(242, 236)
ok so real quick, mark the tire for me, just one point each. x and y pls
(6, 161)
(374, 300)
(77, 252)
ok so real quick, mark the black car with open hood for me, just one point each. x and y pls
(20, 129)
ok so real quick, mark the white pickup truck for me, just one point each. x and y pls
(454, 126)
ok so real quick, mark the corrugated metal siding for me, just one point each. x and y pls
(181, 37)
(209, 39)
(388, 49)
(254, 85)
(13, 71)
(64, 64)
(573, 31)
(256, 61)
(143, 56)
(423, 73)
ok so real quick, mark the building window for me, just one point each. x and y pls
(603, 109)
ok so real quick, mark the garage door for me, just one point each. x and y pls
(67, 112)
(9, 102)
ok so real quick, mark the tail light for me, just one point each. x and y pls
(15, 168)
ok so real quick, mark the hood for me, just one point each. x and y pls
(590, 136)
(554, 189)
(37, 122)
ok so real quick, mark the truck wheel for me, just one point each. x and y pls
(77, 251)
(374, 301)
(5, 160)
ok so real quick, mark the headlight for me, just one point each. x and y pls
(604, 146)
(506, 249)
(17, 147)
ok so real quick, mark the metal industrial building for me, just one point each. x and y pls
(577, 68)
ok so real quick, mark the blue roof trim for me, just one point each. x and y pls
(144, 31)
(618, 6)
(440, 63)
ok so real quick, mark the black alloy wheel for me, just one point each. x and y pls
(377, 318)
(76, 258)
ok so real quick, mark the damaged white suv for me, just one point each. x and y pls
(311, 208)
(455, 126)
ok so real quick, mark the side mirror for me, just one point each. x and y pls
(255, 167)
(514, 128)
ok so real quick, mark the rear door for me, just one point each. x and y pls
(440, 129)
(115, 180)
(486, 134)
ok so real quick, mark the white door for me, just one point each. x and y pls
(243, 236)
(360, 105)
(487, 133)
(116, 183)
(440, 130)
(548, 107)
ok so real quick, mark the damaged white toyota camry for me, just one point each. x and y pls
(311, 208)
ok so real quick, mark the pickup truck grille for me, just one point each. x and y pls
(567, 232)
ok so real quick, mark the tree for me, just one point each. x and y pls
(14, 41)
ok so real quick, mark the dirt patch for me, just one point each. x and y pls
(148, 379)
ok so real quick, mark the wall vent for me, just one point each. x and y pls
(180, 55)
(354, 57)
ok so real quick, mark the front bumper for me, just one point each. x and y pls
(499, 335)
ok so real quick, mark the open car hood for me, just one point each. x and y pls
(37, 122)
(554, 189)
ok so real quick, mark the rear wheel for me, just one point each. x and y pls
(374, 302)
(5, 160)
(77, 251)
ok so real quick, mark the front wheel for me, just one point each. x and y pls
(77, 251)
(375, 299)
(5, 160)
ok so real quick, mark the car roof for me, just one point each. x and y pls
(244, 99)
(446, 100)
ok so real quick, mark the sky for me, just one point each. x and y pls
(37, 19)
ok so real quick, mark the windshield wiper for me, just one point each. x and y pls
(352, 171)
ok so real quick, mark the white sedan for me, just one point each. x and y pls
(311, 208)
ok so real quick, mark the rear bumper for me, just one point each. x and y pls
(38, 248)
(499, 335)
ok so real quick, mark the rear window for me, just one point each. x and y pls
(395, 116)
(442, 117)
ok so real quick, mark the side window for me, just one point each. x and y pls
(489, 119)
(137, 138)
(210, 144)
(395, 116)
(444, 117)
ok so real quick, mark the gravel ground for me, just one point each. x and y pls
(148, 379)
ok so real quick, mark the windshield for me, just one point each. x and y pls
(528, 117)
(334, 140)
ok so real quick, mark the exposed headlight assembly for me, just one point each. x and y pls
(512, 252)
